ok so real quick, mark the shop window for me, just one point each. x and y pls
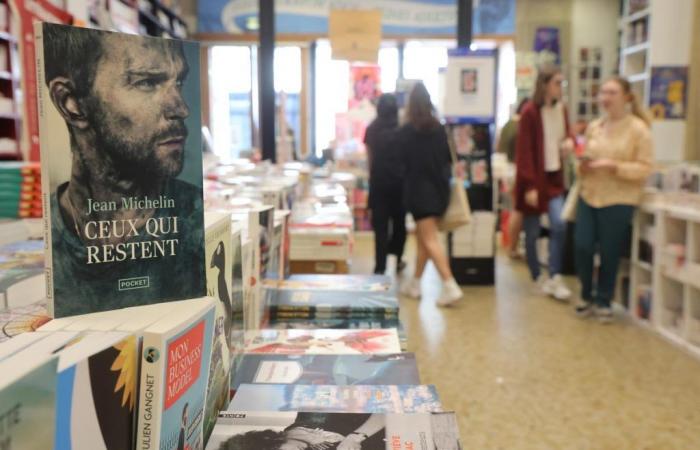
(288, 82)
(230, 80)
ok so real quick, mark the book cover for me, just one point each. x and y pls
(320, 398)
(274, 271)
(21, 274)
(323, 342)
(370, 323)
(237, 296)
(424, 431)
(284, 217)
(96, 398)
(218, 253)
(399, 368)
(353, 283)
(121, 169)
(174, 375)
(333, 303)
(27, 403)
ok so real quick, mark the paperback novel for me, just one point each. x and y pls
(425, 431)
(121, 169)
(320, 398)
(399, 368)
(218, 253)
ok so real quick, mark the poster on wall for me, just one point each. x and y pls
(399, 17)
(668, 93)
(547, 41)
(351, 125)
(470, 85)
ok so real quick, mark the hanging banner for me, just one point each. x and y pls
(399, 17)
(28, 12)
(355, 35)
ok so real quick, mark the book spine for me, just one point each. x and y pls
(45, 165)
(151, 385)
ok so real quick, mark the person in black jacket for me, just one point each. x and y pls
(427, 189)
(386, 184)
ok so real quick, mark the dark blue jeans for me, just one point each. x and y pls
(557, 239)
(600, 230)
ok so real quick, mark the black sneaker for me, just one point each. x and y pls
(584, 308)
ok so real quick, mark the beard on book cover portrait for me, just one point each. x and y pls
(128, 210)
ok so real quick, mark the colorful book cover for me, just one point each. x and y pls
(668, 96)
(20, 264)
(174, 375)
(399, 368)
(27, 403)
(96, 399)
(237, 296)
(320, 398)
(424, 431)
(218, 252)
(323, 342)
(121, 159)
(25, 168)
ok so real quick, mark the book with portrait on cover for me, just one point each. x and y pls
(121, 169)
(426, 431)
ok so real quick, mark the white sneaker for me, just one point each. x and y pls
(556, 288)
(604, 315)
(450, 294)
(411, 288)
(543, 285)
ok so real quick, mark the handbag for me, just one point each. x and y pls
(458, 212)
(568, 212)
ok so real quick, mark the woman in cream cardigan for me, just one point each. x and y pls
(612, 173)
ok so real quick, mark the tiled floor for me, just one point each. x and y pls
(524, 373)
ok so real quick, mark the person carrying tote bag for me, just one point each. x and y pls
(458, 211)
(426, 155)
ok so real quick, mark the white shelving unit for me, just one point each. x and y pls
(670, 280)
(656, 33)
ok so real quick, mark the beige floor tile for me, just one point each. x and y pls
(523, 372)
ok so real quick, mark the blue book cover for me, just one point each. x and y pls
(321, 398)
(121, 169)
(398, 368)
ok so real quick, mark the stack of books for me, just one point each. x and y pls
(20, 189)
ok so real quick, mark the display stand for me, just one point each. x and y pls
(469, 108)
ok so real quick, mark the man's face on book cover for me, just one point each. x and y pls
(137, 109)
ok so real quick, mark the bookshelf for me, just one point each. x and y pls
(665, 277)
(655, 37)
(10, 97)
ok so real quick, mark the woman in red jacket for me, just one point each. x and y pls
(543, 137)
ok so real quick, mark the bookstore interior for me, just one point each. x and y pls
(385, 225)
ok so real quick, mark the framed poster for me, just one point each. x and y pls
(668, 93)
(470, 85)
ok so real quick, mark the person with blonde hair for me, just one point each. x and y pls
(427, 190)
(612, 172)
